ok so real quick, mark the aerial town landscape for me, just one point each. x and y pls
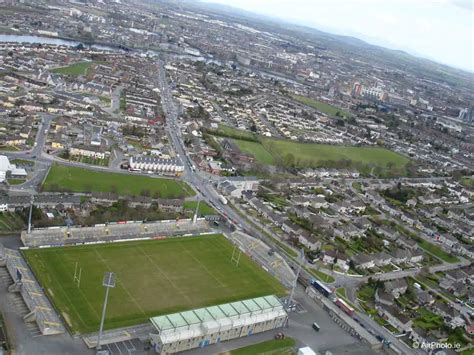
(180, 177)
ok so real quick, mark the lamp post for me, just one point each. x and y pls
(108, 282)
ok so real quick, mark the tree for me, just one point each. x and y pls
(340, 122)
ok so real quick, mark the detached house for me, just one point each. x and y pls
(396, 287)
(334, 257)
(382, 259)
(400, 256)
(347, 232)
(363, 261)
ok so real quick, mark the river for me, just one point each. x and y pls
(50, 40)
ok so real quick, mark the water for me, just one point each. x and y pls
(48, 40)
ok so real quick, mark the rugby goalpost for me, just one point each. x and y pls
(77, 275)
(236, 253)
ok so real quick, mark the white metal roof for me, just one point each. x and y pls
(4, 163)
(198, 322)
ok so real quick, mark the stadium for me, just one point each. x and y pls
(160, 272)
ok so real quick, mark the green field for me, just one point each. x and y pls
(204, 208)
(67, 178)
(270, 347)
(236, 133)
(75, 69)
(320, 106)
(256, 149)
(311, 153)
(153, 278)
(467, 182)
(301, 155)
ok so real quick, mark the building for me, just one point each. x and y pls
(356, 89)
(375, 93)
(89, 151)
(205, 326)
(158, 165)
(10, 170)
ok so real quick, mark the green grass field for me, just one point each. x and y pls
(67, 178)
(467, 182)
(235, 132)
(275, 152)
(204, 208)
(312, 153)
(75, 69)
(153, 278)
(320, 106)
(269, 347)
(256, 149)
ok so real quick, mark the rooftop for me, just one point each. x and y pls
(239, 309)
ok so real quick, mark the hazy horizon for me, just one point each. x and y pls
(439, 30)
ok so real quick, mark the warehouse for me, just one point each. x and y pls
(205, 326)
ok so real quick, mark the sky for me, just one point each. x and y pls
(441, 30)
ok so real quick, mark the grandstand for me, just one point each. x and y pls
(205, 326)
(40, 308)
(59, 236)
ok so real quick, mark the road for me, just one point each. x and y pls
(206, 191)
(198, 180)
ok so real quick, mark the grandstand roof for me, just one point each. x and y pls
(209, 316)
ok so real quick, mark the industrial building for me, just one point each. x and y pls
(205, 326)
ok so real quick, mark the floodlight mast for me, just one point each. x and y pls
(196, 212)
(31, 213)
(108, 282)
(301, 260)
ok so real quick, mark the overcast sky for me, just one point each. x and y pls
(442, 30)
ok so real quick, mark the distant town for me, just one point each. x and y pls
(177, 178)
